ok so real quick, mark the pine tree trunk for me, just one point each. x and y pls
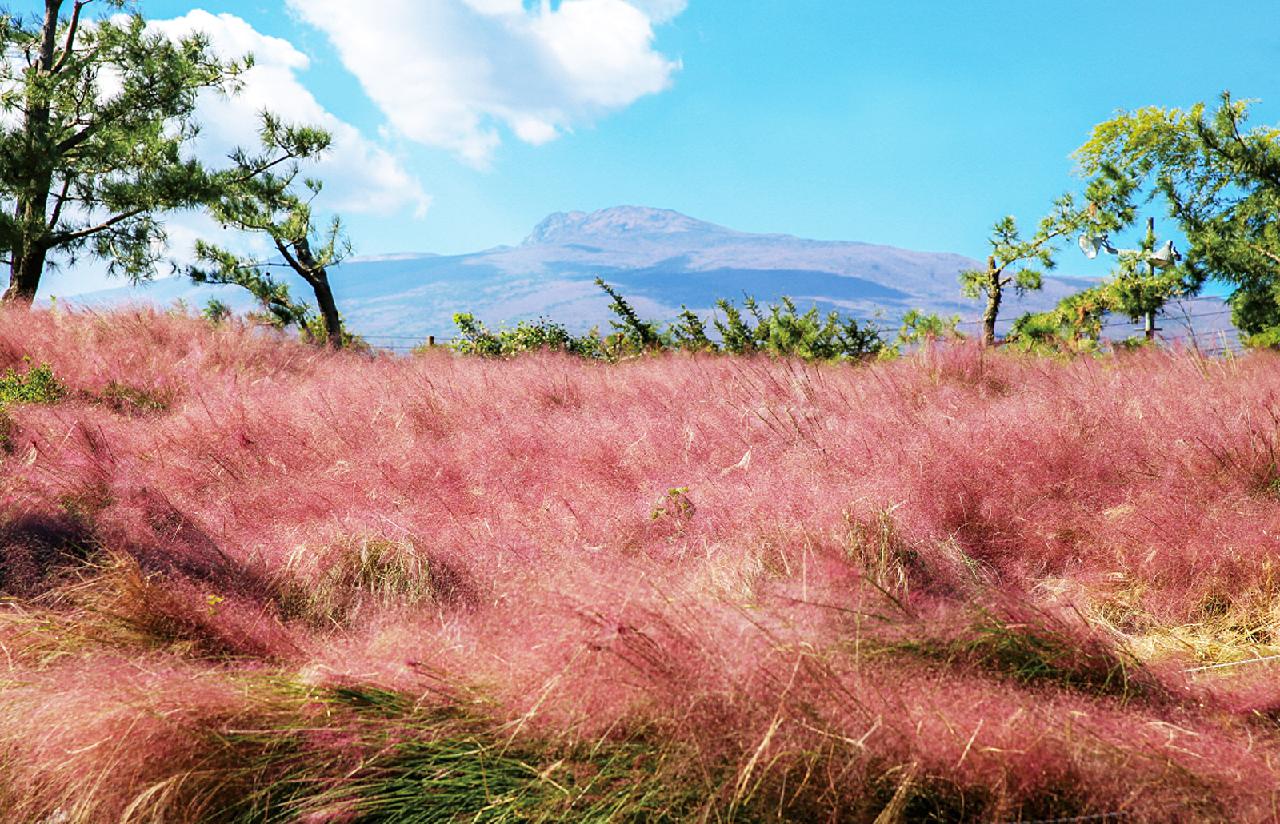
(994, 294)
(24, 277)
(328, 308)
(31, 211)
(316, 275)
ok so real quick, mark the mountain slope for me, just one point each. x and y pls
(660, 259)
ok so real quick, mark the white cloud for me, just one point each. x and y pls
(450, 73)
(359, 175)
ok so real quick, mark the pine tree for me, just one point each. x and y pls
(261, 194)
(1020, 263)
(1221, 183)
(84, 171)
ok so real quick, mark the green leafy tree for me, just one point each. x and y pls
(215, 311)
(689, 332)
(1144, 281)
(636, 333)
(862, 340)
(474, 338)
(919, 328)
(736, 333)
(786, 331)
(1018, 263)
(262, 193)
(779, 329)
(782, 329)
(1075, 324)
(88, 171)
(1221, 182)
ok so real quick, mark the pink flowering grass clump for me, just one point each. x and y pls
(242, 579)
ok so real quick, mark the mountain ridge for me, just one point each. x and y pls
(661, 259)
(618, 221)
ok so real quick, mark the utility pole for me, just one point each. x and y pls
(1149, 246)
(1131, 294)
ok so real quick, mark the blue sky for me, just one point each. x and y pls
(914, 124)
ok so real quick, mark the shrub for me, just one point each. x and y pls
(780, 330)
(474, 338)
(36, 385)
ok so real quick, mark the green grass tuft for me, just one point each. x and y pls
(1036, 648)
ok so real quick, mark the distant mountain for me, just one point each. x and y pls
(658, 258)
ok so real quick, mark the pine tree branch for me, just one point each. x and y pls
(67, 50)
(302, 271)
(59, 202)
(1269, 255)
(115, 110)
(72, 237)
(1246, 154)
(250, 172)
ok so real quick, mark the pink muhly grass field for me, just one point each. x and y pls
(244, 579)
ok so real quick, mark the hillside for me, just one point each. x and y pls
(662, 259)
(246, 580)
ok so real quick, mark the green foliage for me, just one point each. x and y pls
(262, 193)
(313, 329)
(36, 385)
(435, 760)
(1139, 288)
(474, 338)
(215, 311)
(636, 333)
(787, 332)
(276, 305)
(736, 335)
(1135, 292)
(8, 431)
(1221, 183)
(1019, 263)
(689, 332)
(1073, 325)
(1010, 249)
(918, 328)
(85, 173)
(675, 505)
(1254, 308)
(1136, 288)
(131, 400)
(780, 330)
(1032, 647)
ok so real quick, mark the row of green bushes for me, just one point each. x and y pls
(779, 329)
